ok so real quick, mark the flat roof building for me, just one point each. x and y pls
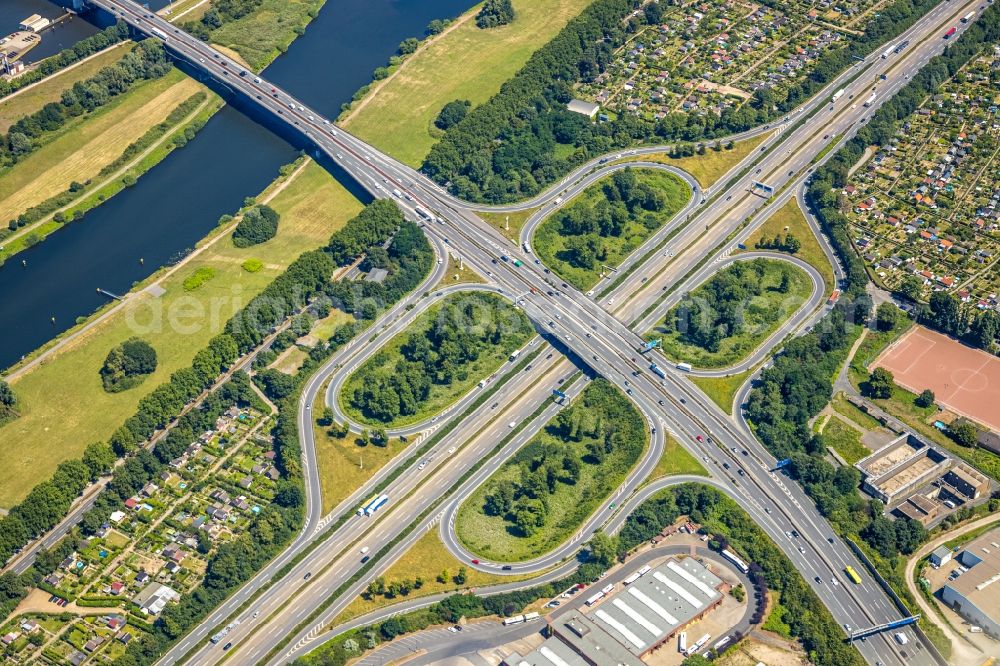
(975, 594)
(588, 109)
(941, 556)
(627, 624)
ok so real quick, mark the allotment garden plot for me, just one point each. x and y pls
(711, 57)
(924, 210)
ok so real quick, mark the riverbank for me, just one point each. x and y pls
(62, 400)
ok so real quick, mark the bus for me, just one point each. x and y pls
(514, 355)
(517, 619)
(645, 570)
(367, 504)
(740, 564)
(723, 643)
(528, 617)
(594, 599)
(631, 579)
(700, 643)
(682, 642)
(852, 574)
(159, 33)
(376, 505)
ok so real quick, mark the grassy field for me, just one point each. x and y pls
(63, 403)
(266, 32)
(710, 167)
(397, 116)
(86, 144)
(763, 314)
(33, 98)
(569, 504)
(426, 559)
(550, 245)
(847, 409)
(676, 460)
(514, 220)
(791, 216)
(456, 275)
(441, 396)
(722, 390)
(344, 466)
(844, 439)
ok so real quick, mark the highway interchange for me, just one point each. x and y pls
(593, 329)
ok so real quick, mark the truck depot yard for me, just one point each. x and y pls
(963, 379)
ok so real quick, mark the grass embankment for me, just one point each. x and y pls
(901, 404)
(266, 32)
(430, 561)
(510, 224)
(81, 148)
(452, 346)
(676, 460)
(344, 465)
(707, 169)
(459, 274)
(64, 406)
(722, 390)
(761, 316)
(50, 89)
(538, 498)
(844, 439)
(397, 116)
(790, 219)
(553, 245)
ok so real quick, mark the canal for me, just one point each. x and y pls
(180, 200)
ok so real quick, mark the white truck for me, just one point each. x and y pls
(901, 638)
(887, 53)
(870, 100)
(837, 95)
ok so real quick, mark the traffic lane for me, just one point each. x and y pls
(514, 445)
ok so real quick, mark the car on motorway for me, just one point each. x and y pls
(227, 645)
(506, 567)
(307, 576)
(818, 579)
(699, 438)
(451, 450)
(834, 581)
(475, 561)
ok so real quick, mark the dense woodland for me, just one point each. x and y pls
(601, 430)
(148, 60)
(810, 621)
(396, 383)
(944, 311)
(506, 149)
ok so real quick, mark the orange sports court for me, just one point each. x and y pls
(964, 380)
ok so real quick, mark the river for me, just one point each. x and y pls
(180, 200)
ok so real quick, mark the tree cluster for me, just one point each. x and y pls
(495, 13)
(219, 13)
(715, 312)
(437, 355)
(599, 430)
(783, 243)
(505, 149)
(127, 364)
(147, 60)
(8, 403)
(626, 199)
(452, 113)
(259, 224)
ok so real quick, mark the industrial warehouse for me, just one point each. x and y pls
(972, 588)
(623, 626)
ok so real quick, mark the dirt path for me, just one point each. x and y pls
(964, 652)
(37, 601)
